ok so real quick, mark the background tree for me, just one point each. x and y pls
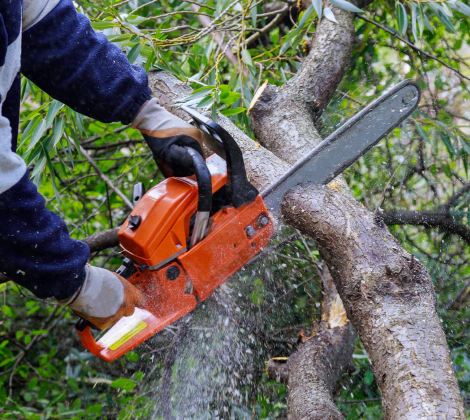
(226, 51)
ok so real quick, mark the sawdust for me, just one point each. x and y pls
(336, 185)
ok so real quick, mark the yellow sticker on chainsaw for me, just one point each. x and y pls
(129, 331)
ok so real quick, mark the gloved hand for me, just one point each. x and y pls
(104, 298)
(167, 136)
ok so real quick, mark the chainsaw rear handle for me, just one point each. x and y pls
(240, 188)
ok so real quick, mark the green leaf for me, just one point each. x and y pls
(207, 101)
(247, 57)
(329, 14)
(428, 24)
(368, 377)
(414, 19)
(39, 332)
(421, 132)
(94, 409)
(132, 356)
(285, 47)
(460, 7)
(150, 61)
(464, 155)
(58, 131)
(257, 297)
(345, 5)
(254, 16)
(446, 170)
(7, 311)
(120, 37)
(204, 89)
(318, 6)
(103, 25)
(442, 16)
(123, 383)
(28, 132)
(446, 139)
(420, 18)
(447, 23)
(230, 98)
(134, 53)
(402, 18)
(233, 111)
(55, 107)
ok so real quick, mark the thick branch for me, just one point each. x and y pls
(313, 370)
(283, 118)
(389, 298)
(428, 218)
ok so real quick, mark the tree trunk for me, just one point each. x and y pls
(389, 298)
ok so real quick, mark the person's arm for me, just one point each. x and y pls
(65, 57)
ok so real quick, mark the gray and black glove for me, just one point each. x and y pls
(167, 137)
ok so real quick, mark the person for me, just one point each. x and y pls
(56, 48)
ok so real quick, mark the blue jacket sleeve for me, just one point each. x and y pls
(65, 57)
(35, 248)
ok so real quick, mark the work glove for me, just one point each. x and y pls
(167, 137)
(104, 298)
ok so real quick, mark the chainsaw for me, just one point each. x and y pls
(188, 235)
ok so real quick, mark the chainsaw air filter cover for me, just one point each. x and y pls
(164, 213)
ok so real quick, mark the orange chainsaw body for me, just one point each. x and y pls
(173, 278)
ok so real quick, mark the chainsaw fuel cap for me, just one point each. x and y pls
(134, 222)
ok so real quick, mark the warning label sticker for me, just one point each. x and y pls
(122, 332)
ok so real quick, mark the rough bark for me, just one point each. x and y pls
(283, 117)
(389, 298)
(314, 369)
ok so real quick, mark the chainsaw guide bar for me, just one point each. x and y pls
(188, 235)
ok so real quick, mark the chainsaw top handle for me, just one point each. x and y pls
(204, 186)
(204, 181)
(240, 189)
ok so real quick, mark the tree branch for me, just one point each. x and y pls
(102, 240)
(450, 202)
(105, 178)
(314, 369)
(429, 218)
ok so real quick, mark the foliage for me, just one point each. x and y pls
(43, 371)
